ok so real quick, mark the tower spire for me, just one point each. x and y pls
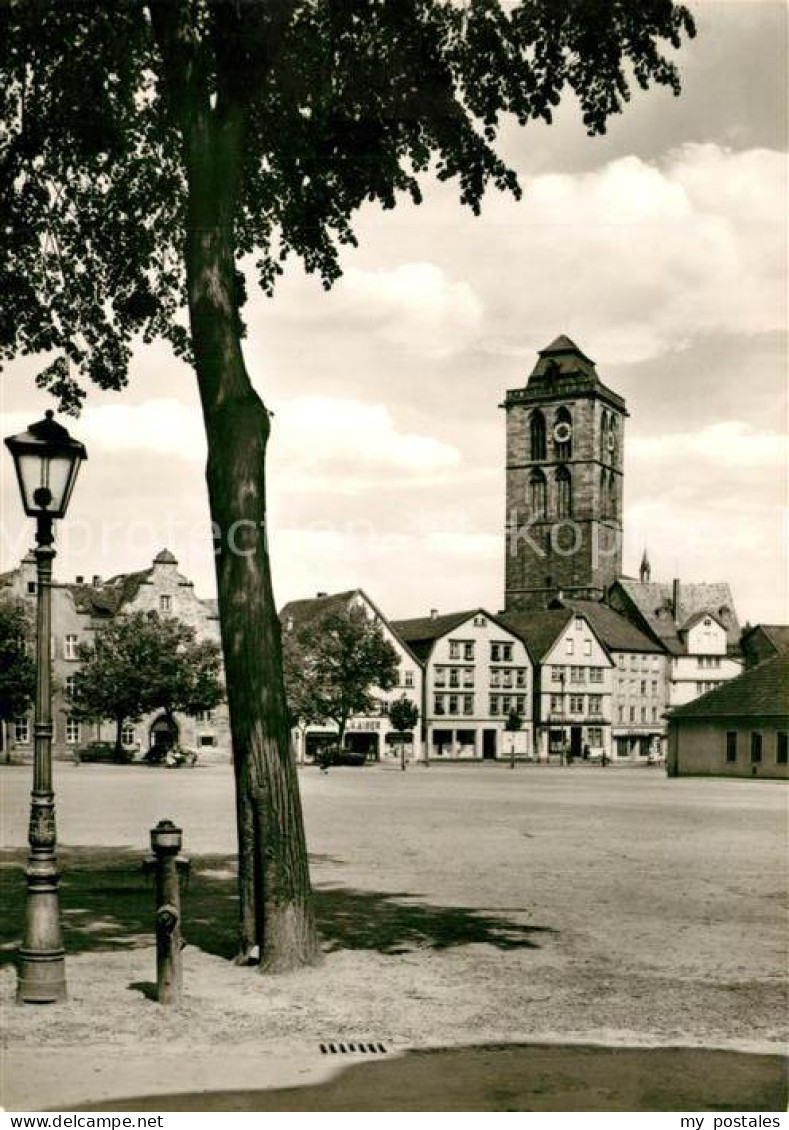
(645, 569)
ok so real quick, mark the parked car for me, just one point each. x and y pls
(103, 752)
(333, 756)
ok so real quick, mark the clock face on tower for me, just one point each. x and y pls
(562, 432)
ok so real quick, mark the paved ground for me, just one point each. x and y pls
(458, 905)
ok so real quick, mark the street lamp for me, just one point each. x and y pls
(47, 461)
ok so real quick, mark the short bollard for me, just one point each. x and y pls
(166, 841)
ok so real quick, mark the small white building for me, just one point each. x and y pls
(371, 735)
(573, 684)
(704, 663)
(477, 673)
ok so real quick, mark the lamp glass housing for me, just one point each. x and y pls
(47, 462)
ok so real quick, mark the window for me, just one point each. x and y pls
(595, 674)
(595, 704)
(165, 604)
(587, 647)
(127, 735)
(654, 714)
(520, 704)
(204, 715)
(506, 704)
(479, 621)
(408, 679)
(454, 677)
(656, 663)
(468, 652)
(569, 646)
(654, 686)
(781, 747)
(620, 660)
(494, 704)
(577, 675)
(632, 713)
(563, 434)
(643, 686)
(633, 661)
(557, 705)
(206, 740)
(537, 435)
(520, 677)
(454, 649)
(576, 704)
(438, 704)
(72, 730)
(495, 653)
(604, 435)
(495, 677)
(506, 652)
(564, 493)
(643, 714)
(538, 494)
(70, 684)
(468, 676)
(22, 731)
(556, 674)
(621, 713)
(453, 704)
(70, 647)
(506, 678)
(441, 677)
(756, 748)
(468, 703)
(31, 587)
(595, 736)
(731, 746)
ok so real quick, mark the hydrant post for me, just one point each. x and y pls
(166, 841)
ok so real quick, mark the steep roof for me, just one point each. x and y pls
(762, 692)
(538, 630)
(108, 599)
(165, 557)
(777, 635)
(613, 629)
(303, 612)
(563, 370)
(653, 601)
(421, 632)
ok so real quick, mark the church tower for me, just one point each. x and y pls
(565, 440)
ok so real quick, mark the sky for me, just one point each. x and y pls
(660, 249)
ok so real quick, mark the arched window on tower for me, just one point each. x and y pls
(613, 443)
(604, 436)
(538, 494)
(605, 498)
(537, 435)
(563, 434)
(613, 508)
(564, 493)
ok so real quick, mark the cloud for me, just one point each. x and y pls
(731, 442)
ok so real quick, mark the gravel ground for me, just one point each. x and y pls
(458, 905)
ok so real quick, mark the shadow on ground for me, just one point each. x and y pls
(518, 1077)
(107, 903)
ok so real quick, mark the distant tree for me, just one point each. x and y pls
(17, 669)
(336, 663)
(404, 715)
(141, 663)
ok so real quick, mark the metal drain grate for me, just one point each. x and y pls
(344, 1049)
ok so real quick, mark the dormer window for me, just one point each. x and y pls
(165, 604)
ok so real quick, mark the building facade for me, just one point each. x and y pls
(477, 673)
(565, 445)
(573, 684)
(81, 609)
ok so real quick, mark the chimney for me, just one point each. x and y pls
(321, 595)
(675, 598)
(80, 579)
(96, 580)
(433, 613)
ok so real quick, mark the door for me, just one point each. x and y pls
(489, 745)
(576, 741)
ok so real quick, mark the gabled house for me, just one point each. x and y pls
(763, 642)
(372, 735)
(573, 683)
(477, 673)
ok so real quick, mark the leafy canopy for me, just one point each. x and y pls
(335, 665)
(404, 715)
(340, 102)
(17, 669)
(141, 663)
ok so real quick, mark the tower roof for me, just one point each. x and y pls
(165, 557)
(563, 371)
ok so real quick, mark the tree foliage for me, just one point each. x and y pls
(17, 669)
(336, 666)
(142, 663)
(404, 715)
(330, 105)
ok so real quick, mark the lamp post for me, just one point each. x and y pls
(47, 461)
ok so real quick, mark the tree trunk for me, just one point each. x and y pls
(119, 739)
(274, 886)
